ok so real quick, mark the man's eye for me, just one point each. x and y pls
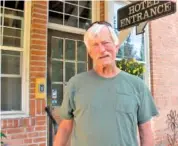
(105, 43)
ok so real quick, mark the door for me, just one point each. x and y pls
(66, 57)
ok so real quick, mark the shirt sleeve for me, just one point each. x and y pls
(147, 108)
(67, 106)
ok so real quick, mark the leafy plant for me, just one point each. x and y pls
(131, 66)
(2, 135)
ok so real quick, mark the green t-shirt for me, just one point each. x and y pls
(106, 111)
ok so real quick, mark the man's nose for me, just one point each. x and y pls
(101, 48)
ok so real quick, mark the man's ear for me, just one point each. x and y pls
(117, 47)
(89, 53)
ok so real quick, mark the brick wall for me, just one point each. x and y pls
(164, 70)
(31, 131)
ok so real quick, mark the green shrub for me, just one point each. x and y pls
(131, 66)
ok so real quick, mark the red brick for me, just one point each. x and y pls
(38, 52)
(42, 144)
(39, 36)
(40, 128)
(41, 11)
(16, 123)
(42, 139)
(38, 111)
(19, 136)
(36, 74)
(27, 141)
(30, 129)
(10, 123)
(33, 145)
(4, 124)
(37, 15)
(41, 123)
(38, 42)
(15, 130)
(38, 63)
(41, 118)
(33, 134)
(40, 3)
(32, 107)
(41, 6)
(41, 58)
(38, 68)
(43, 106)
(42, 134)
(35, 20)
(38, 31)
(40, 26)
(32, 90)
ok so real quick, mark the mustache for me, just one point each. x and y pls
(103, 56)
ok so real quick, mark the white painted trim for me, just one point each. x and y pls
(65, 28)
(26, 56)
(13, 115)
(25, 67)
(11, 48)
(147, 56)
(95, 11)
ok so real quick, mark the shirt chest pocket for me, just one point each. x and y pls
(126, 110)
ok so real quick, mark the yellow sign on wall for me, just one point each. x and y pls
(40, 88)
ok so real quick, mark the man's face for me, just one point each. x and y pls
(102, 48)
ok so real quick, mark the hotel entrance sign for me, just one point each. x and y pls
(140, 12)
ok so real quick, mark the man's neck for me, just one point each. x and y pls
(108, 71)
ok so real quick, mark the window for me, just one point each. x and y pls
(12, 57)
(70, 13)
(69, 57)
(134, 46)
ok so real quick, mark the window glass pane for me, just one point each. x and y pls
(10, 62)
(56, 6)
(13, 12)
(84, 12)
(70, 21)
(59, 89)
(57, 48)
(55, 18)
(12, 22)
(73, 2)
(84, 23)
(133, 47)
(1, 4)
(71, 9)
(0, 22)
(10, 94)
(57, 71)
(81, 67)
(70, 50)
(0, 40)
(10, 41)
(15, 4)
(85, 3)
(70, 70)
(81, 52)
(12, 32)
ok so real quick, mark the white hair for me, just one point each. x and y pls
(95, 29)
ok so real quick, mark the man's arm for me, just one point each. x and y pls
(146, 135)
(63, 133)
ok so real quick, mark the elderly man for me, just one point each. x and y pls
(105, 106)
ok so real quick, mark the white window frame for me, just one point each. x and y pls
(24, 72)
(95, 16)
(109, 5)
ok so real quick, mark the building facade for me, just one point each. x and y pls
(42, 41)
